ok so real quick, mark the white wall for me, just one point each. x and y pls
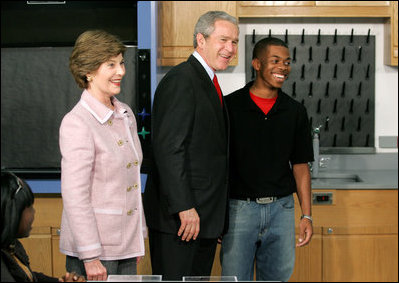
(386, 80)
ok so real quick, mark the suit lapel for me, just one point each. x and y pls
(210, 92)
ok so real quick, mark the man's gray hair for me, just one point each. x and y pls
(206, 23)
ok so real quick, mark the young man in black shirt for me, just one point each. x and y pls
(270, 149)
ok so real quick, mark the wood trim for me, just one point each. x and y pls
(40, 230)
(313, 3)
(275, 3)
(361, 230)
(317, 230)
(353, 3)
(395, 25)
(391, 37)
(296, 12)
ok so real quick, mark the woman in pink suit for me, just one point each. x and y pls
(103, 225)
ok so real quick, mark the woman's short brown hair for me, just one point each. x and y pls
(92, 48)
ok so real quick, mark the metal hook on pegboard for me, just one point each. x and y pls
(318, 38)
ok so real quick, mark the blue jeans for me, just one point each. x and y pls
(264, 233)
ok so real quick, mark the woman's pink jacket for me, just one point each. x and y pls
(100, 182)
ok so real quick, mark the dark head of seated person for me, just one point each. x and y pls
(17, 215)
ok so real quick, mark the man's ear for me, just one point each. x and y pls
(256, 64)
(200, 40)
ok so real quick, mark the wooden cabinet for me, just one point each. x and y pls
(358, 240)
(42, 245)
(355, 254)
(391, 36)
(273, 9)
(38, 246)
(308, 259)
(144, 266)
(177, 20)
(360, 235)
(58, 259)
(355, 239)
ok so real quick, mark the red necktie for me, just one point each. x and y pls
(217, 86)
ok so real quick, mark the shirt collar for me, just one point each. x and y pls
(208, 69)
(249, 104)
(101, 112)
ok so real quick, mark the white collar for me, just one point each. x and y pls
(208, 69)
(101, 112)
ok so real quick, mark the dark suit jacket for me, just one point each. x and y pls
(190, 152)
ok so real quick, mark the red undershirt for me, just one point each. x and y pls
(265, 104)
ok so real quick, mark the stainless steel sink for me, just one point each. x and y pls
(336, 178)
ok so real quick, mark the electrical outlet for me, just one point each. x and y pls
(388, 141)
(322, 198)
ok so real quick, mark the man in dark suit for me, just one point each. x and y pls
(186, 194)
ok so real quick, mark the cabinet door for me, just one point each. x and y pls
(58, 258)
(177, 22)
(48, 211)
(308, 259)
(38, 248)
(362, 254)
(391, 37)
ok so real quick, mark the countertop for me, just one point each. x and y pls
(375, 171)
(369, 179)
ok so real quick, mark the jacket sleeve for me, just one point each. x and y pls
(78, 152)
(173, 116)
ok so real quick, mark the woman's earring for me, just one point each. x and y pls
(89, 79)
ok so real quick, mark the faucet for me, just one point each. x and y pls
(316, 151)
(318, 162)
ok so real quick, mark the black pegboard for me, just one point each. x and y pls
(333, 76)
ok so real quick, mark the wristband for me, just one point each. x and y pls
(307, 217)
(90, 259)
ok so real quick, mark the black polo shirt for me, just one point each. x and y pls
(263, 147)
